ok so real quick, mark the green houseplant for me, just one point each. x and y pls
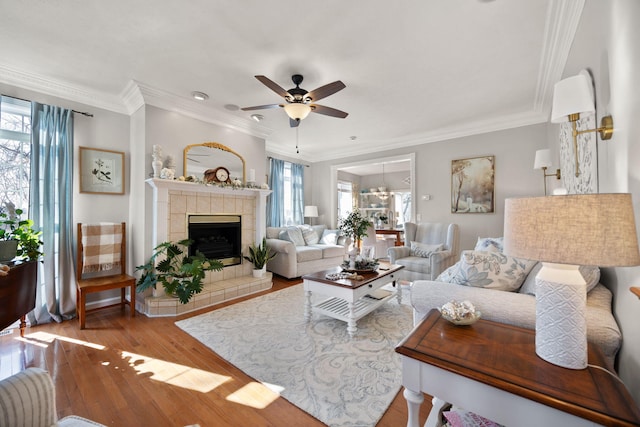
(18, 238)
(259, 255)
(354, 225)
(180, 274)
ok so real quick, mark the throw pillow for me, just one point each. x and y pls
(309, 235)
(462, 418)
(330, 237)
(492, 244)
(292, 234)
(492, 270)
(448, 275)
(591, 275)
(424, 250)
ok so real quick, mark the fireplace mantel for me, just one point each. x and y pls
(173, 202)
(162, 187)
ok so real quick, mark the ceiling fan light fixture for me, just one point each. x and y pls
(297, 111)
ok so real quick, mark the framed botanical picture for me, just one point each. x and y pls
(101, 171)
(472, 182)
(579, 169)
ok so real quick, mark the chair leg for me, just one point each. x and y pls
(132, 300)
(123, 299)
(81, 311)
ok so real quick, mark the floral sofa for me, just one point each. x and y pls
(304, 249)
(503, 289)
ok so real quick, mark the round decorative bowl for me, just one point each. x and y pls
(469, 320)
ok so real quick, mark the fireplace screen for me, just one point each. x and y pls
(217, 237)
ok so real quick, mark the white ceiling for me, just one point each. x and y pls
(415, 71)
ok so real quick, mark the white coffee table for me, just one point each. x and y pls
(349, 300)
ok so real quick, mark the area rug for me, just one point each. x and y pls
(342, 381)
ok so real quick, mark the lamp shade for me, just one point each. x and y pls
(572, 95)
(297, 111)
(578, 229)
(311, 211)
(543, 159)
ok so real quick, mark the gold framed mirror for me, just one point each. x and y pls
(199, 158)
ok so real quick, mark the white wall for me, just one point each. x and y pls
(608, 44)
(514, 150)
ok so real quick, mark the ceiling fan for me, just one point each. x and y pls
(299, 101)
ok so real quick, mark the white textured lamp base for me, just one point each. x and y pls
(561, 325)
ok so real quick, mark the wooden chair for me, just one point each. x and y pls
(101, 265)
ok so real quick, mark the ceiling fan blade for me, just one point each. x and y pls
(326, 90)
(328, 111)
(261, 107)
(273, 86)
(294, 123)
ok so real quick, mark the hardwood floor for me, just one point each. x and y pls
(147, 372)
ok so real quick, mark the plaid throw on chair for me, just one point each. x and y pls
(102, 245)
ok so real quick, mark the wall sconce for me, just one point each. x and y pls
(572, 97)
(543, 161)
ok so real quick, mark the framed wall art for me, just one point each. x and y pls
(101, 171)
(472, 185)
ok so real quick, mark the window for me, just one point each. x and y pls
(288, 195)
(15, 154)
(345, 198)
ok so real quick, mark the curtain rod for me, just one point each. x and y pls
(271, 157)
(28, 100)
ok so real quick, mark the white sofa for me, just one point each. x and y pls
(315, 248)
(27, 399)
(516, 307)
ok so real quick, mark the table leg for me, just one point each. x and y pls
(414, 400)
(352, 328)
(398, 286)
(307, 305)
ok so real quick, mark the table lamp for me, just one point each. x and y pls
(564, 232)
(311, 212)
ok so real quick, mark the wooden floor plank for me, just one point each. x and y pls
(105, 383)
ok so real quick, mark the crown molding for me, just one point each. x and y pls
(443, 134)
(60, 89)
(194, 109)
(563, 18)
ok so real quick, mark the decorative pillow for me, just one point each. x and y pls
(424, 250)
(448, 275)
(492, 270)
(309, 235)
(590, 274)
(330, 237)
(491, 244)
(292, 234)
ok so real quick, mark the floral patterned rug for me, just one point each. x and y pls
(338, 380)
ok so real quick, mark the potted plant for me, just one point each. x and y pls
(180, 274)
(18, 238)
(355, 226)
(259, 255)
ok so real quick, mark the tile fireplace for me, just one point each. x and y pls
(232, 214)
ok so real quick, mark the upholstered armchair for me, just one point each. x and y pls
(429, 249)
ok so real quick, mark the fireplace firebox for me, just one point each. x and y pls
(217, 237)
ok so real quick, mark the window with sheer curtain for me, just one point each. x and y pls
(285, 205)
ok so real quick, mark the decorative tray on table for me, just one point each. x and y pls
(361, 265)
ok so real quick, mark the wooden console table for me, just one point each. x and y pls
(492, 369)
(18, 293)
(392, 231)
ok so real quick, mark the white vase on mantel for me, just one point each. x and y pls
(259, 272)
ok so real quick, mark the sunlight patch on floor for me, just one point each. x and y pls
(42, 339)
(174, 373)
(255, 395)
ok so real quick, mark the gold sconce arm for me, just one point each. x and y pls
(605, 130)
(545, 174)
